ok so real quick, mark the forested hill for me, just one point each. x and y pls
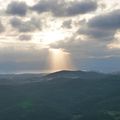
(64, 95)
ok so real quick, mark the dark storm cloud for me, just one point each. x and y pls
(25, 26)
(97, 34)
(25, 37)
(62, 9)
(102, 27)
(2, 28)
(17, 8)
(45, 5)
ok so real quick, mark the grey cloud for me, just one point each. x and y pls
(67, 24)
(25, 37)
(81, 7)
(54, 6)
(106, 21)
(17, 8)
(36, 22)
(25, 26)
(62, 9)
(102, 27)
(15, 22)
(2, 28)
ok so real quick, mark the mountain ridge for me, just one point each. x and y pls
(75, 74)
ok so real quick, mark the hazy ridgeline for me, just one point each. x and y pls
(65, 95)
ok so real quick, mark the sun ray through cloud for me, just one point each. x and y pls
(59, 60)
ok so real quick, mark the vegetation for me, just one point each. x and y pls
(62, 98)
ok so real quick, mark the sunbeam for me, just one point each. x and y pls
(59, 60)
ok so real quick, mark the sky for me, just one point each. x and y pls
(42, 35)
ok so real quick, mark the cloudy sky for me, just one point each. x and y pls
(86, 30)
